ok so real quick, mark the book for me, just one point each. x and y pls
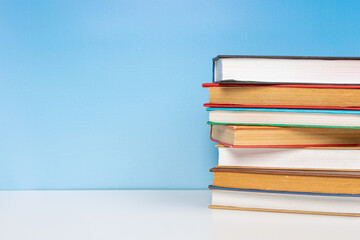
(286, 202)
(263, 136)
(286, 69)
(288, 134)
(315, 181)
(318, 118)
(284, 96)
(346, 158)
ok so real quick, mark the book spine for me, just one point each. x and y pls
(213, 72)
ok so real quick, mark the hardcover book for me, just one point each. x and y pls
(340, 158)
(286, 69)
(318, 118)
(263, 136)
(315, 181)
(285, 201)
(284, 96)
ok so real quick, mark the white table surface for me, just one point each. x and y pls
(162, 214)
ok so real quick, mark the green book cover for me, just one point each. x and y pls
(281, 125)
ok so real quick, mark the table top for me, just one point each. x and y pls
(152, 214)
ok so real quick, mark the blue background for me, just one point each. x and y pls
(107, 94)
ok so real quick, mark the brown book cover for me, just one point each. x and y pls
(284, 211)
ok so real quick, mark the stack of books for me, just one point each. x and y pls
(288, 134)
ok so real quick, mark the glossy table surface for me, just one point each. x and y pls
(152, 214)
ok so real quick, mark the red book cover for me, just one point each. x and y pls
(208, 85)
